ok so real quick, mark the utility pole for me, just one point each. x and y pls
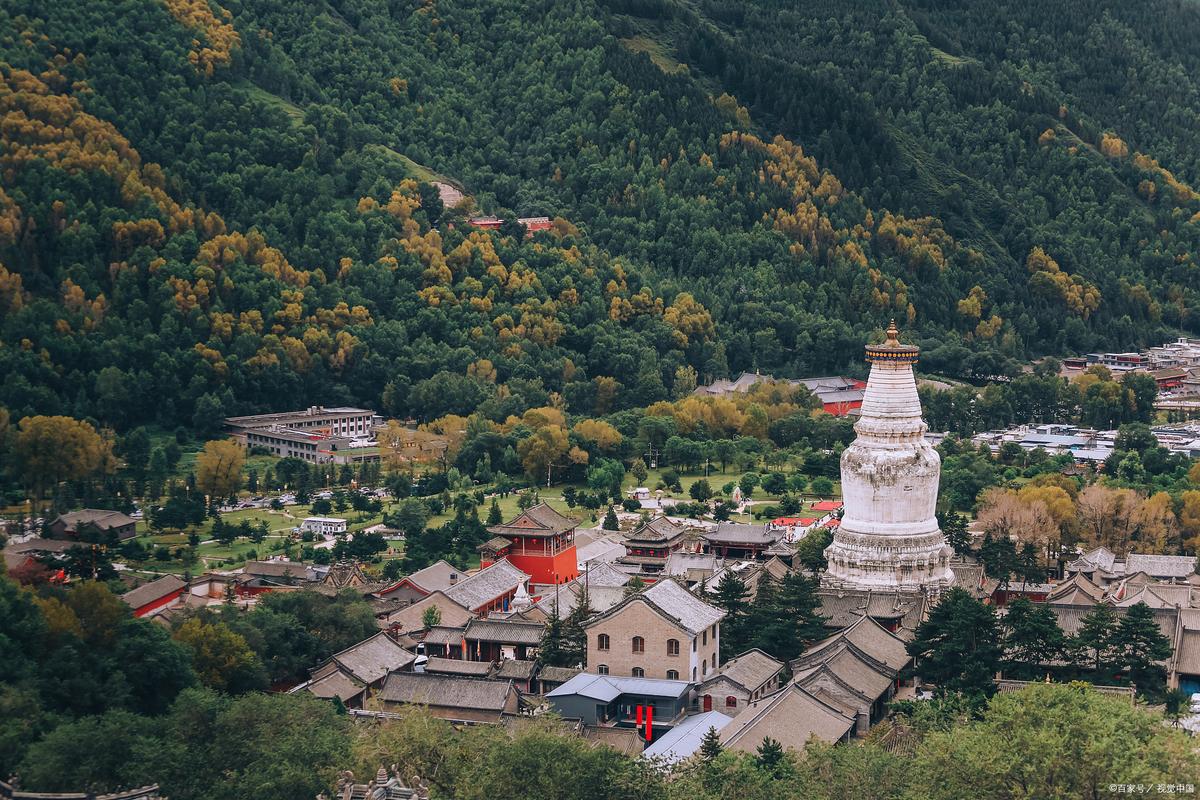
(652, 454)
(548, 468)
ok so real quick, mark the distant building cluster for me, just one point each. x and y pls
(839, 396)
(1175, 368)
(531, 224)
(1182, 352)
(1086, 445)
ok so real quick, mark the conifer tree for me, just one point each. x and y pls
(574, 637)
(610, 520)
(1031, 637)
(958, 647)
(494, 516)
(1140, 645)
(769, 755)
(710, 745)
(954, 528)
(550, 649)
(731, 597)
(1096, 636)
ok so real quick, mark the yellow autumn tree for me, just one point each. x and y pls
(219, 468)
(49, 450)
(600, 433)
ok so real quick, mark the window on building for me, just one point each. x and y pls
(672, 674)
(705, 636)
(693, 645)
(602, 642)
(639, 644)
(602, 669)
(672, 647)
(730, 701)
(638, 672)
(704, 667)
(693, 673)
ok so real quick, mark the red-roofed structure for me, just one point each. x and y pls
(827, 505)
(539, 541)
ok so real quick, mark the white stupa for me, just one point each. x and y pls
(889, 537)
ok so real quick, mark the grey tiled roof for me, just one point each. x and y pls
(751, 669)
(734, 533)
(297, 570)
(335, 684)
(681, 563)
(790, 716)
(511, 669)
(444, 634)
(104, 519)
(1161, 566)
(557, 674)
(447, 691)
(598, 573)
(545, 521)
(454, 666)
(853, 668)
(842, 608)
(154, 590)
(373, 658)
(867, 635)
(505, 631)
(486, 585)
(659, 529)
(677, 602)
(439, 575)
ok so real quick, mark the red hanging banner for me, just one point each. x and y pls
(649, 722)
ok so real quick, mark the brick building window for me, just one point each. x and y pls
(730, 701)
(672, 647)
(672, 675)
(638, 672)
(602, 669)
(602, 642)
(639, 644)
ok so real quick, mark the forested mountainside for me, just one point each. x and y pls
(221, 207)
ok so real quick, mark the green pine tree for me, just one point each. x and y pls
(574, 637)
(769, 756)
(610, 520)
(954, 527)
(1140, 644)
(710, 745)
(1096, 637)
(1032, 638)
(494, 516)
(550, 649)
(958, 648)
(731, 597)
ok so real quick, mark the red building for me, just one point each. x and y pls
(539, 541)
(531, 224)
(1169, 378)
(154, 595)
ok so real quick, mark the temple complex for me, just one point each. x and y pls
(889, 537)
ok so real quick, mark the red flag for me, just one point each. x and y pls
(639, 716)
(649, 722)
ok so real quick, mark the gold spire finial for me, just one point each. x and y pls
(893, 334)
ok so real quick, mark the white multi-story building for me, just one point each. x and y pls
(326, 526)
